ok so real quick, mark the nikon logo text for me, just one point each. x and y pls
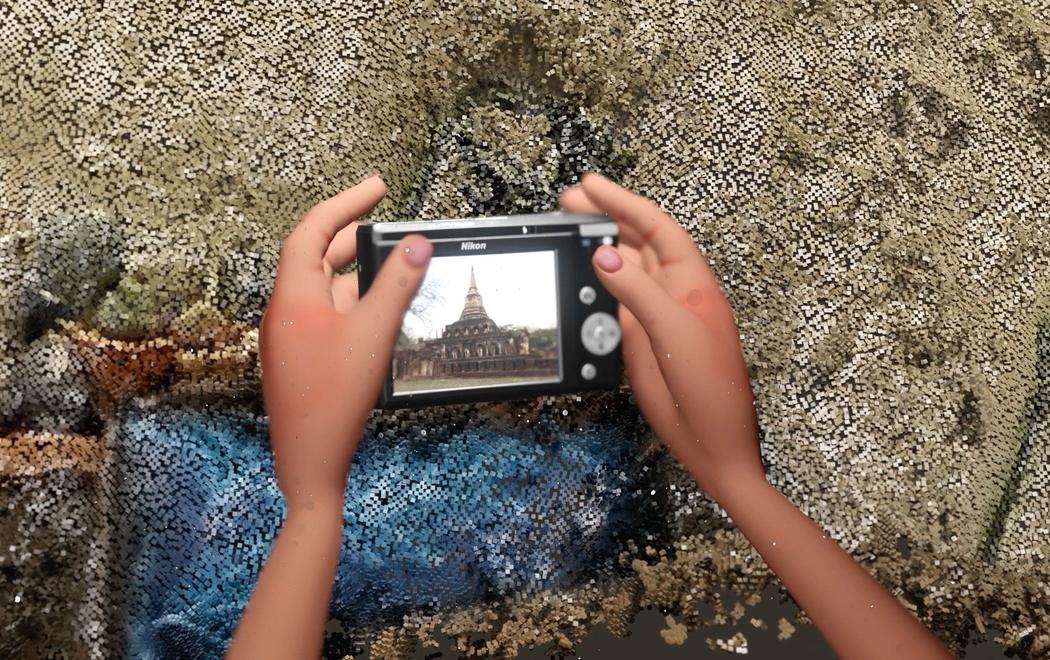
(471, 245)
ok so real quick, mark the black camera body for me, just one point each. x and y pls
(510, 308)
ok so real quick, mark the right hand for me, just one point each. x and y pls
(680, 341)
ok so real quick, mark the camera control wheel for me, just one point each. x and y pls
(600, 333)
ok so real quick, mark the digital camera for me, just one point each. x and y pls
(510, 308)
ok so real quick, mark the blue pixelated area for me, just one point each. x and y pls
(429, 522)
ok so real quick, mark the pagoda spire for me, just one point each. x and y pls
(472, 305)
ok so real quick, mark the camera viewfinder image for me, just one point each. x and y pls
(481, 321)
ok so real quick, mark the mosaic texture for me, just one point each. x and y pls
(870, 181)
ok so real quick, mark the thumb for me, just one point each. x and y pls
(673, 331)
(395, 285)
(637, 291)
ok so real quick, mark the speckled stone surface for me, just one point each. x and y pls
(870, 181)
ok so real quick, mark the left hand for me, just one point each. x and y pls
(324, 352)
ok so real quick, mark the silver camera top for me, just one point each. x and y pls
(589, 224)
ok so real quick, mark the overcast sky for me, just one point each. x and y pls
(516, 289)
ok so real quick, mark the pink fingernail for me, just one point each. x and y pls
(608, 259)
(418, 250)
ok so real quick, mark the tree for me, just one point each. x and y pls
(403, 340)
(543, 339)
(427, 298)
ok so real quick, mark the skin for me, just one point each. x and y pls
(684, 363)
(324, 354)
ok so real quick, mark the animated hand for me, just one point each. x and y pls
(680, 341)
(324, 352)
(687, 370)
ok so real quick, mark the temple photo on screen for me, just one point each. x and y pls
(452, 338)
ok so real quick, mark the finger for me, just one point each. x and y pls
(632, 255)
(642, 255)
(383, 306)
(630, 236)
(300, 269)
(333, 214)
(643, 258)
(342, 250)
(676, 253)
(680, 341)
(634, 288)
(651, 223)
(655, 401)
(573, 199)
(344, 291)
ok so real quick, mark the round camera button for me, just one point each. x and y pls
(588, 295)
(588, 371)
(600, 333)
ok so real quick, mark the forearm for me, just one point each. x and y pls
(855, 614)
(287, 612)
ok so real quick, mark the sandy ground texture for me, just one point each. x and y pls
(870, 181)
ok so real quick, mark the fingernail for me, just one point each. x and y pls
(418, 250)
(608, 259)
(374, 174)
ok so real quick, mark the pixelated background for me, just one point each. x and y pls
(869, 180)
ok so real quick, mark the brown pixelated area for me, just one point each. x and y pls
(870, 181)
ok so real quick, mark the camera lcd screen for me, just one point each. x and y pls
(477, 321)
